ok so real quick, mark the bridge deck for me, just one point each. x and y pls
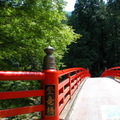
(99, 99)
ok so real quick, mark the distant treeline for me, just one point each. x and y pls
(99, 24)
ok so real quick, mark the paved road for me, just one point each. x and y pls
(99, 99)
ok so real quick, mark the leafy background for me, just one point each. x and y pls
(89, 37)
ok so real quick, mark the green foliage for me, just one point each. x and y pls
(113, 41)
(27, 27)
(99, 25)
(17, 86)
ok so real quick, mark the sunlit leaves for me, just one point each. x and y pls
(27, 27)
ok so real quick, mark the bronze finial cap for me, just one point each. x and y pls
(49, 50)
(49, 60)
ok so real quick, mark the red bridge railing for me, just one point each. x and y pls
(57, 89)
(69, 80)
(10, 75)
(113, 72)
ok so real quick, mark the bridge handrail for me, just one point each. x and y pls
(65, 71)
(113, 72)
(20, 75)
(70, 83)
(57, 88)
(66, 88)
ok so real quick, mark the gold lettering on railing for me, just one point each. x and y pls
(50, 100)
(50, 111)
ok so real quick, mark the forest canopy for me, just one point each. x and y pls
(99, 24)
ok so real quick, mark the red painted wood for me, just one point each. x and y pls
(62, 95)
(21, 94)
(72, 81)
(19, 75)
(73, 90)
(113, 72)
(61, 108)
(114, 68)
(74, 77)
(66, 100)
(52, 79)
(63, 105)
(62, 84)
(66, 71)
(66, 91)
(21, 110)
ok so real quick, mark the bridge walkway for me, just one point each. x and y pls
(99, 99)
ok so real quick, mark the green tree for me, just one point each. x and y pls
(89, 20)
(27, 27)
(113, 9)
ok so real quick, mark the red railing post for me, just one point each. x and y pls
(50, 86)
(70, 92)
(77, 79)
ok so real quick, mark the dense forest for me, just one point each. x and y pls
(88, 38)
(99, 24)
(28, 26)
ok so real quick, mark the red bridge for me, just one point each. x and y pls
(68, 94)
